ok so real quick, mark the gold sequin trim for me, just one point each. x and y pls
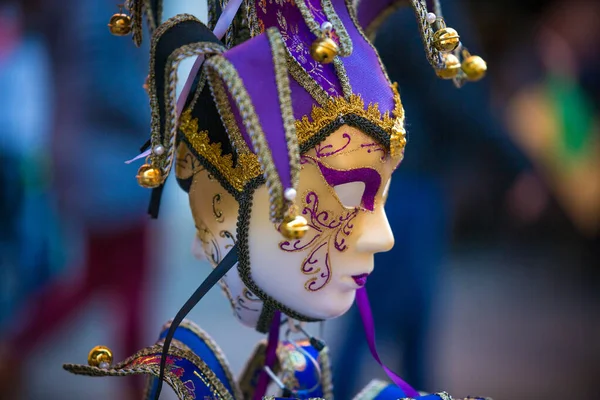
(247, 168)
(346, 46)
(337, 107)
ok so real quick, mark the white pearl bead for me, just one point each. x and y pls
(326, 26)
(159, 150)
(431, 17)
(290, 194)
(104, 365)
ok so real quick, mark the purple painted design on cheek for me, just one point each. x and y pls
(368, 176)
(328, 229)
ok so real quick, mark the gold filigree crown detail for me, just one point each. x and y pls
(322, 116)
(248, 167)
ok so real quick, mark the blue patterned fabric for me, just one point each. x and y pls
(308, 376)
(198, 346)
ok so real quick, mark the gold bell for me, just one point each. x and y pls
(324, 50)
(149, 177)
(294, 227)
(100, 356)
(474, 68)
(120, 23)
(451, 67)
(446, 39)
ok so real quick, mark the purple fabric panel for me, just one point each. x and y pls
(298, 38)
(363, 68)
(368, 10)
(254, 63)
(302, 101)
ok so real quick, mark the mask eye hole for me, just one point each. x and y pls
(350, 194)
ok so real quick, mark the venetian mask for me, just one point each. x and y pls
(341, 193)
(299, 122)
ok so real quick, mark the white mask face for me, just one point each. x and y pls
(342, 190)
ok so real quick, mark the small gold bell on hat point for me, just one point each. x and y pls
(100, 356)
(474, 68)
(324, 50)
(446, 40)
(120, 23)
(149, 177)
(451, 68)
(294, 227)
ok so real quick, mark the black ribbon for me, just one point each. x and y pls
(224, 266)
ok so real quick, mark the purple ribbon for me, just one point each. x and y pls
(270, 357)
(362, 301)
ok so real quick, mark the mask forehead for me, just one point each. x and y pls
(349, 148)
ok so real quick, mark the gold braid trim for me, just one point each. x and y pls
(326, 378)
(247, 168)
(372, 390)
(340, 70)
(120, 369)
(298, 72)
(219, 94)
(284, 92)
(167, 137)
(135, 9)
(214, 347)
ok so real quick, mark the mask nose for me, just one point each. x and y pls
(376, 234)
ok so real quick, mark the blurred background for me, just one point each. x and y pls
(493, 285)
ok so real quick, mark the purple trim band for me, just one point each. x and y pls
(362, 301)
(270, 357)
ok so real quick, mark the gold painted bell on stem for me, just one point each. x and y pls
(324, 50)
(294, 227)
(474, 68)
(120, 24)
(149, 177)
(451, 67)
(446, 39)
